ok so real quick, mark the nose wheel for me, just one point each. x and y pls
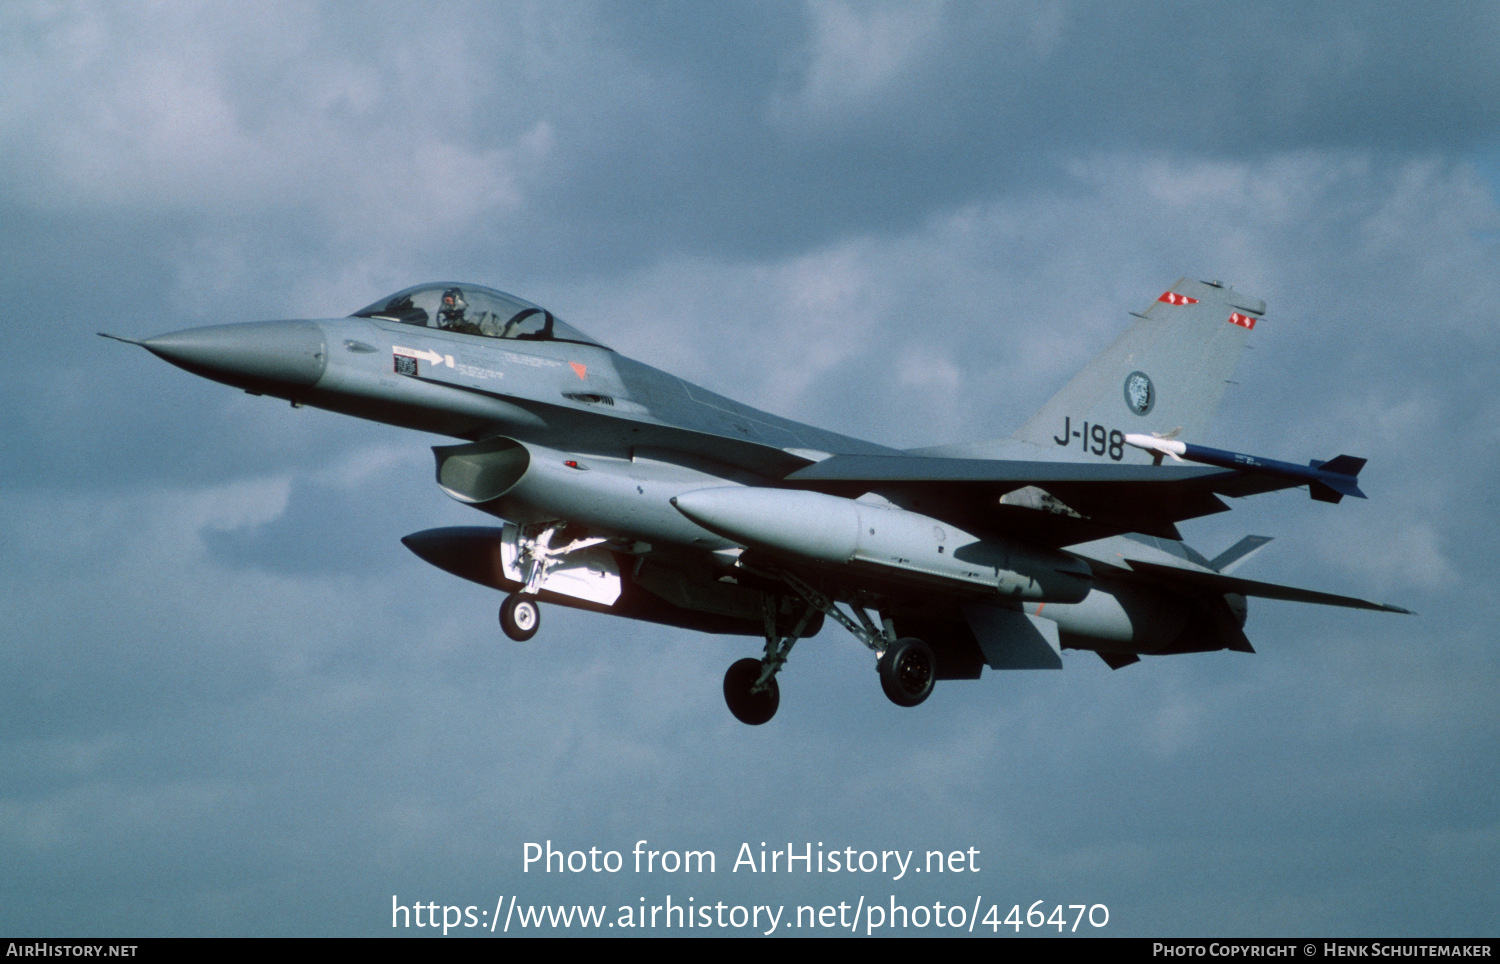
(520, 617)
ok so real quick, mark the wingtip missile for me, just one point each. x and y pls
(1327, 481)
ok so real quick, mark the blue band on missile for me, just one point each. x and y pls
(1329, 481)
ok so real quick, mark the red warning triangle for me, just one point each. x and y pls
(579, 369)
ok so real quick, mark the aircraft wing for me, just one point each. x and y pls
(1218, 582)
(1053, 503)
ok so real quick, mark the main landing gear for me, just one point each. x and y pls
(906, 666)
(907, 672)
(750, 687)
(749, 704)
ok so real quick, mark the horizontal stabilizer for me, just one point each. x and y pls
(1218, 582)
(1236, 554)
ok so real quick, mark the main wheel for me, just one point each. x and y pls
(907, 672)
(748, 707)
(520, 617)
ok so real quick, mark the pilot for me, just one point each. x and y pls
(451, 314)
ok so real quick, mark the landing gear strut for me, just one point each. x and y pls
(520, 617)
(750, 686)
(906, 666)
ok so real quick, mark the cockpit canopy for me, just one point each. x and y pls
(473, 310)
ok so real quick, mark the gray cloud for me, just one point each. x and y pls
(233, 703)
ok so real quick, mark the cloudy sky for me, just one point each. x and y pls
(232, 703)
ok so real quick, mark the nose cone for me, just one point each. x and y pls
(275, 357)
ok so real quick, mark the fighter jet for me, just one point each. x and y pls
(622, 489)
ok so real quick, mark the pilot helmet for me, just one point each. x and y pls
(454, 304)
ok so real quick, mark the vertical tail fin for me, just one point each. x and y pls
(1166, 374)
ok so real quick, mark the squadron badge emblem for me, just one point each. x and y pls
(1140, 394)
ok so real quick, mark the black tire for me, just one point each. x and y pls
(750, 708)
(907, 672)
(520, 617)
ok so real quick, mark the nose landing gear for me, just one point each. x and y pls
(534, 560)
(520, 617)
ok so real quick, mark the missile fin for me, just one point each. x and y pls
(1337, 477)
(1342, 465)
